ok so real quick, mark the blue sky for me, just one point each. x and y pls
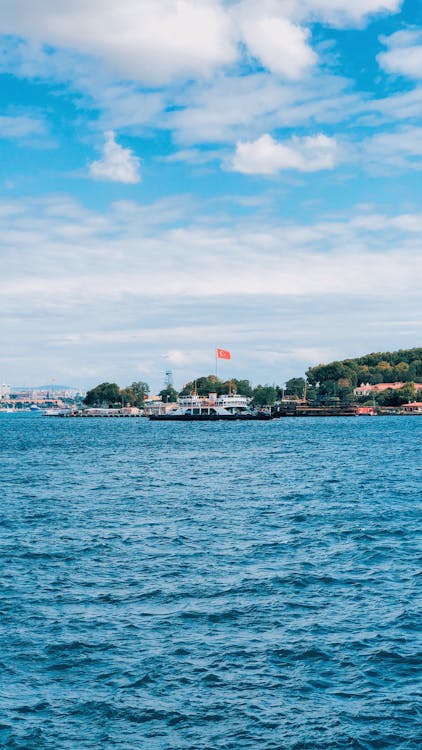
(184, 174)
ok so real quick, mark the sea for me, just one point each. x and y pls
(210, 586)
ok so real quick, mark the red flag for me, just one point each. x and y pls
(223, 354)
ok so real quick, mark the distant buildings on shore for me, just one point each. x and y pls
(4, 391)
(21, 398)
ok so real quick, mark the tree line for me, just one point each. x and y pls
(109, 394)
(338, 379)
(324, 384)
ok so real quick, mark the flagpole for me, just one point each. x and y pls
(216, 363)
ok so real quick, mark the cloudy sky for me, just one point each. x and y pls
(184, 174)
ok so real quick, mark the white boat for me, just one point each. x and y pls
(213, 407)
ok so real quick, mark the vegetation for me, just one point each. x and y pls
(211, 384)
(329, 384)
(397, 398)
(140, 391)
(295, 387)
(338, 379)
(168, 395)
(261, 395)
(104, 393)
(109, 394)
(264, 395)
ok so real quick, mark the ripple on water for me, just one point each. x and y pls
(210, 587)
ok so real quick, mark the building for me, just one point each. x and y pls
(413, 408)
(371, 390)
(365, 411)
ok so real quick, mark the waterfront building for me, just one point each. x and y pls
(415, 407)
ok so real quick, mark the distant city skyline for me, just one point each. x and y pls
(181, 176)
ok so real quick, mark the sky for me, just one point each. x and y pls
(181, 175)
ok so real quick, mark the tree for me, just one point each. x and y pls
(295, 387)
(127, 397)
(140, 391)
(415, 370)
(407, 393)
(396, 398)
(311, 393)
(264, 395)
(204, 385)
(169, 394)
(104, 393)
(242, 387)
(211, 384)
(379, 367)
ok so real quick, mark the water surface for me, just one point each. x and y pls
(210, 586)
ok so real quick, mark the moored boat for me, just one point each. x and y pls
(196, 408)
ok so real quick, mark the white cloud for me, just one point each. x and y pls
(49, 237)
(281, 46)
(194, 156)
(92, 299)
(154, 41)
(159, 41)
(268, 156)
(233, 107)
(118, 164)
(21, 127)
(404, 54)
(400, 106)
(106, 51)
(400, 149)
(342, 12)
(177, 357)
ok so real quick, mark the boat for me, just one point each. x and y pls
(196, 408)
(55, 412)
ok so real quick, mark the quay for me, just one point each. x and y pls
(128, 412)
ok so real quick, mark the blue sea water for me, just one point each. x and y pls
(210, 586)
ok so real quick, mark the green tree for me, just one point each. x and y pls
(140, 391)
(391, 397)
(407, 393)
(204, 385)
(415, 370)
(127, 397)
(242, 387)
(379, 367)
(311, 393)
(168, 395)
(103, 394)
(264, 395)
(295, 387)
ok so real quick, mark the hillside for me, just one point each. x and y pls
(404, 365)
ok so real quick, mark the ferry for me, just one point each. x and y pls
(196, 408)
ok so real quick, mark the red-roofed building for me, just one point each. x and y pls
(369, 390)
(415, 407)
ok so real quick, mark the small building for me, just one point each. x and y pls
(415, 407)
(365, 411)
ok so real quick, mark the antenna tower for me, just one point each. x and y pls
(168, 381)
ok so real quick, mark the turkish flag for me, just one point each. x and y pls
(223, 354)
